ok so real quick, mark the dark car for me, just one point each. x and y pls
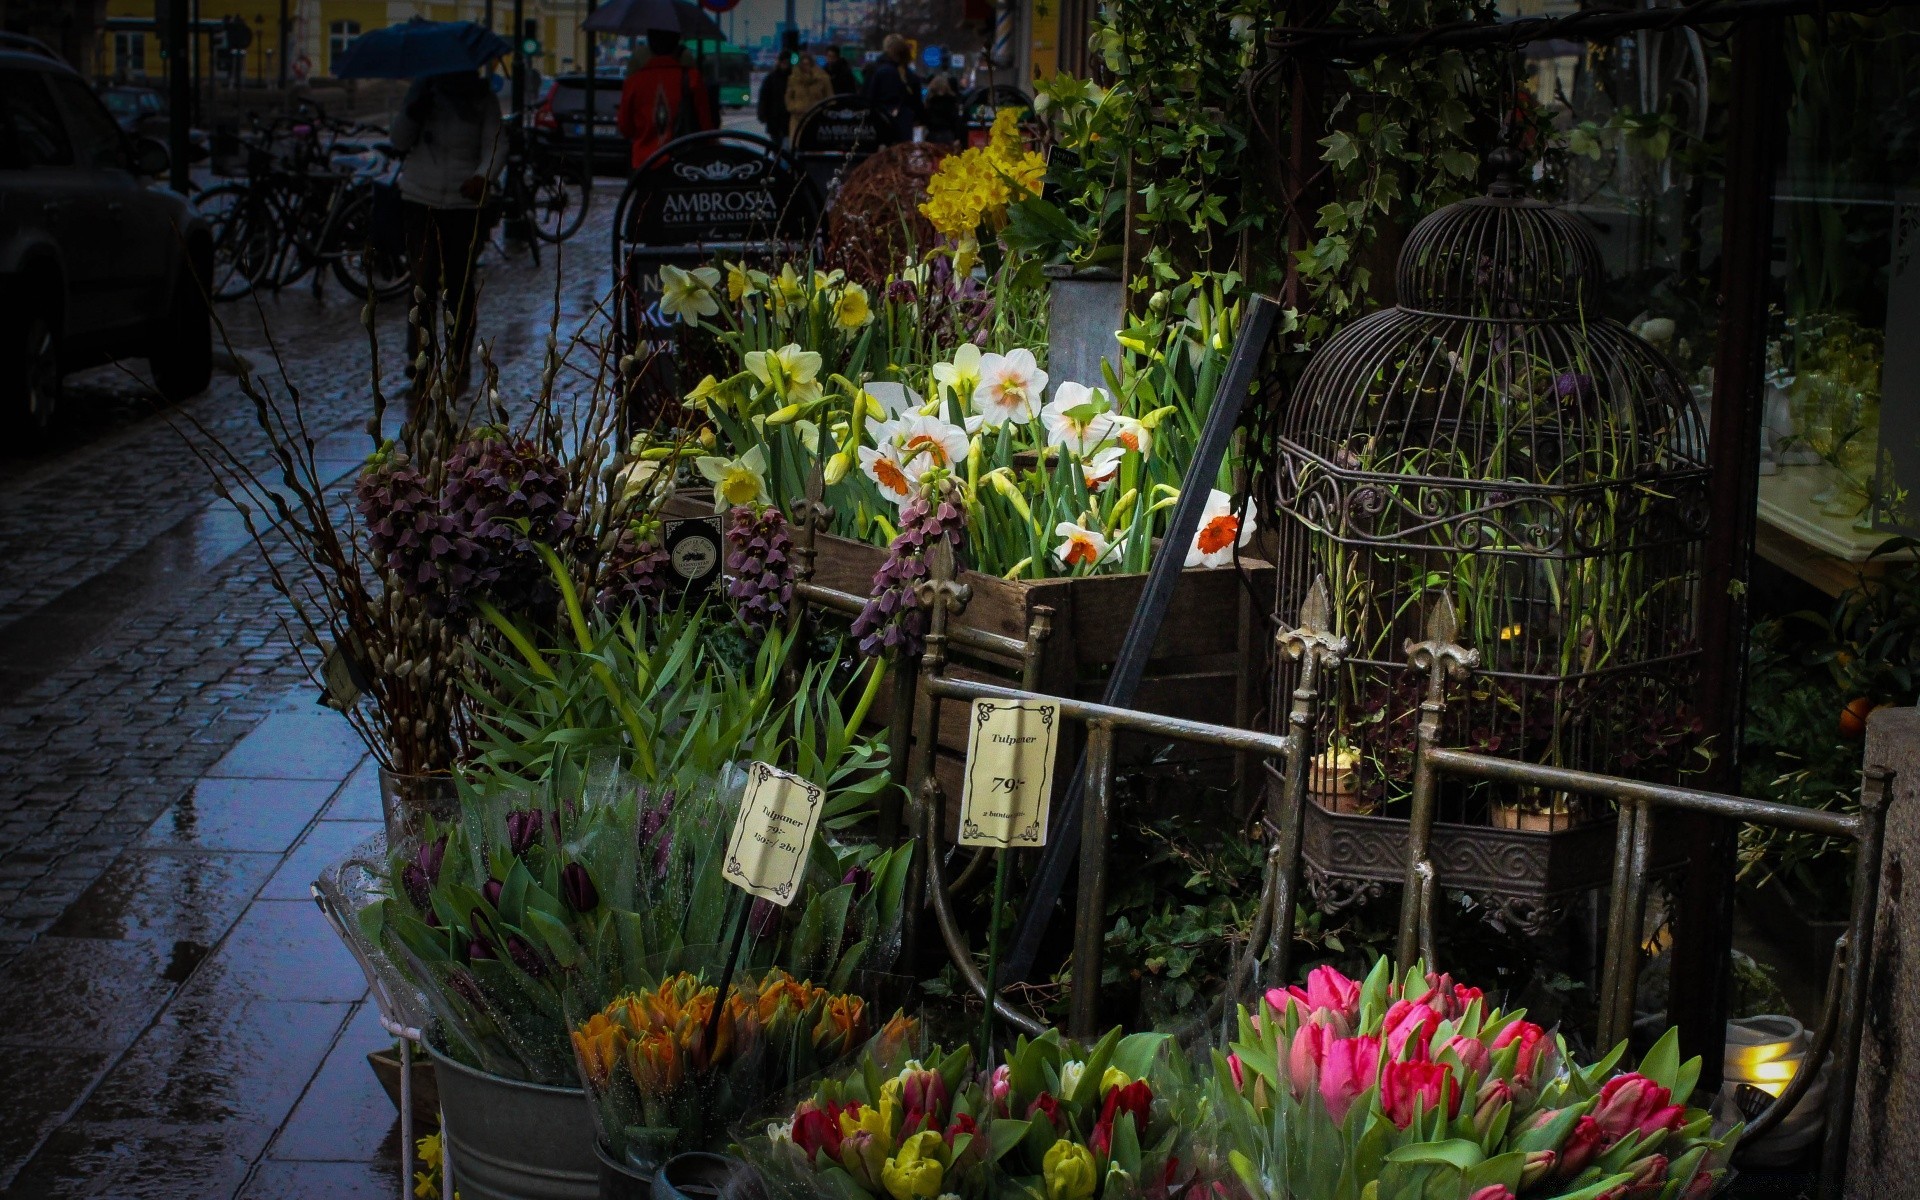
(95, 264)
(142, 112)
(559, 121)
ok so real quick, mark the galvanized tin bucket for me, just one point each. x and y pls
(698, 1175)
(511, 1140)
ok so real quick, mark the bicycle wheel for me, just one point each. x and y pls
(557, 198)
(242, 240)
(358, 262)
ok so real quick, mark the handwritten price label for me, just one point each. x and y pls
(1009, 788)
(767, 854)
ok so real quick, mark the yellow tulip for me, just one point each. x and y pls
(918, 1170)
(1069, 1172)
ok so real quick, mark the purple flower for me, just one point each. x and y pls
(577, 890)
(525, 956)
(763, 919)
(523, 831)
(491, 889)
(418, 887)
(861, 879)
(1571, 385)
(479, 947)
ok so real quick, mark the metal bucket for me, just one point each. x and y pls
(511, 1140)
(1086, 308)
(620, 1181)
(698, 1175)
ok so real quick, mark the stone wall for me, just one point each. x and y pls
(1885, 1162)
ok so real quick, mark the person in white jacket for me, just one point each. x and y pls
(450, 132)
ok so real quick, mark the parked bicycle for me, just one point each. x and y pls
(309, 201)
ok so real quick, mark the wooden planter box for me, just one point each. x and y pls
(1207, 665)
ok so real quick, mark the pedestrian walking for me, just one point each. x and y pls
(946, 122)
(895, 90)
(773, 111)
(450, 134)
(840, 73)
(663, 100)
(807, 85)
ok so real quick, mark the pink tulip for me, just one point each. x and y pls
(1001, 1088)
(1410, 1021)
(1350, 1067)
(1635, 1104)
(1407, 1087)
(1649, 1180)
(1533, 1043)
(1450, 998)
(1700, 1187)
(1307, 1056)
(1472, 1053)
(1239, 1074)
(1538, 1165)
(1493, 1191)
(1493, 1096)
(1327, 991)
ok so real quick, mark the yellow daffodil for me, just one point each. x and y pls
(742, 282)
(851, 308)
(688, 295)
(736, 481)
(705, 396)
(789, 290)
(961, 376)
(789, 372)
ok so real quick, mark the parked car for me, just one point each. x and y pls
(142, 112)
(559, 120)
(95, 262)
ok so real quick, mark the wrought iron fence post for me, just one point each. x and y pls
(1617, 907)
(1090, 922)
(1318, 648)
(940, 596)
(1876, 789)
(1442, 659)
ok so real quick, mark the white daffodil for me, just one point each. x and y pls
(894, 398)
(1078, 417)
(1010, 385)
(1080, 546)
(688, 295)
(1102, 468)
(961, 375)
(736, 481)
(809, 435)
(1129, 433)
(789, 372)
(907, 450)
(1220, 531)
(705, 396)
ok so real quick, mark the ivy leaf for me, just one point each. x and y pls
(1459, 163)
(1333, 218)
(1342, 151)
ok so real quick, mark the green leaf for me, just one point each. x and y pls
(1662, 1063)
(1457, 1153)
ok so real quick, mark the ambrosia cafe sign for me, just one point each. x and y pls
(719, 190)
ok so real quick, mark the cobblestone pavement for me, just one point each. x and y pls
(167, 995)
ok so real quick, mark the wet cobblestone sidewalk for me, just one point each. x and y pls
(177, 1018)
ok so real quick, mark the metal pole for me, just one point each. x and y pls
(179, 95)
(593, 110)
(1875, 791)
(286, 26)
(1703, 937)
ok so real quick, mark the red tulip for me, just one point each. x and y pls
(1351, 1066)
(815, 1130)
(1135, 1100)
(1045, 1103)
(1582, 1146)
(1533, 1043)
(923, 1096)
(1407, 1087)
(1410, 1022)
(1635, 1104)
(1699, 1187)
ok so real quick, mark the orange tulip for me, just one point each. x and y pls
(600, 1044)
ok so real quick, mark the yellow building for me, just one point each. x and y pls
(319, 29)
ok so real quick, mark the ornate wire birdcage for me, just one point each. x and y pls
(1494, 439)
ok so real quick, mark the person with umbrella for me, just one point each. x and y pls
(453, 144)
(663, 100)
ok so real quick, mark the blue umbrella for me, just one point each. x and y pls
(419, 47)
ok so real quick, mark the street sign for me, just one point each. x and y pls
(934, 56)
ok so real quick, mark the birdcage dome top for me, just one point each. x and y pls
(1503, 256)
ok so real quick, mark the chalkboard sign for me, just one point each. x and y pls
(845, 126)
(718, 187)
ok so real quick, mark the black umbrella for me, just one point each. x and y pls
(633, 18)
(419, 47)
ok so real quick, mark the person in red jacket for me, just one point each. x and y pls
(663, 100)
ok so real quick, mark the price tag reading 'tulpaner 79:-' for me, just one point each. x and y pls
(768, 852)
(1010, 748)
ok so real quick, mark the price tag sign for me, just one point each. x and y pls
(1009, 786)
(693, 552)
(767, 854)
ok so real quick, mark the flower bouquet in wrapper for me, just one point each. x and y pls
(892, 1126)
(666, 1073)
(1415, 1086)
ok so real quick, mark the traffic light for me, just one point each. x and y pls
(530, 37)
